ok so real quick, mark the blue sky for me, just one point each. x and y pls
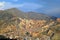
(50, 7)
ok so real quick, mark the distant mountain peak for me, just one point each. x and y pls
(12, 9)
(28, 15)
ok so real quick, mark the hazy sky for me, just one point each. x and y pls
(50, 7)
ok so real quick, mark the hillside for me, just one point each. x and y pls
(29, 15)
(7, 19)
(33, 28)
(30, 25)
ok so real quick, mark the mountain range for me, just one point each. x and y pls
(16, 22)
(29, 15)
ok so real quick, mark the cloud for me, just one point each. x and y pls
(55, 10)
(7, 5)
(31, 6)
(22, 6)
(2, 4)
